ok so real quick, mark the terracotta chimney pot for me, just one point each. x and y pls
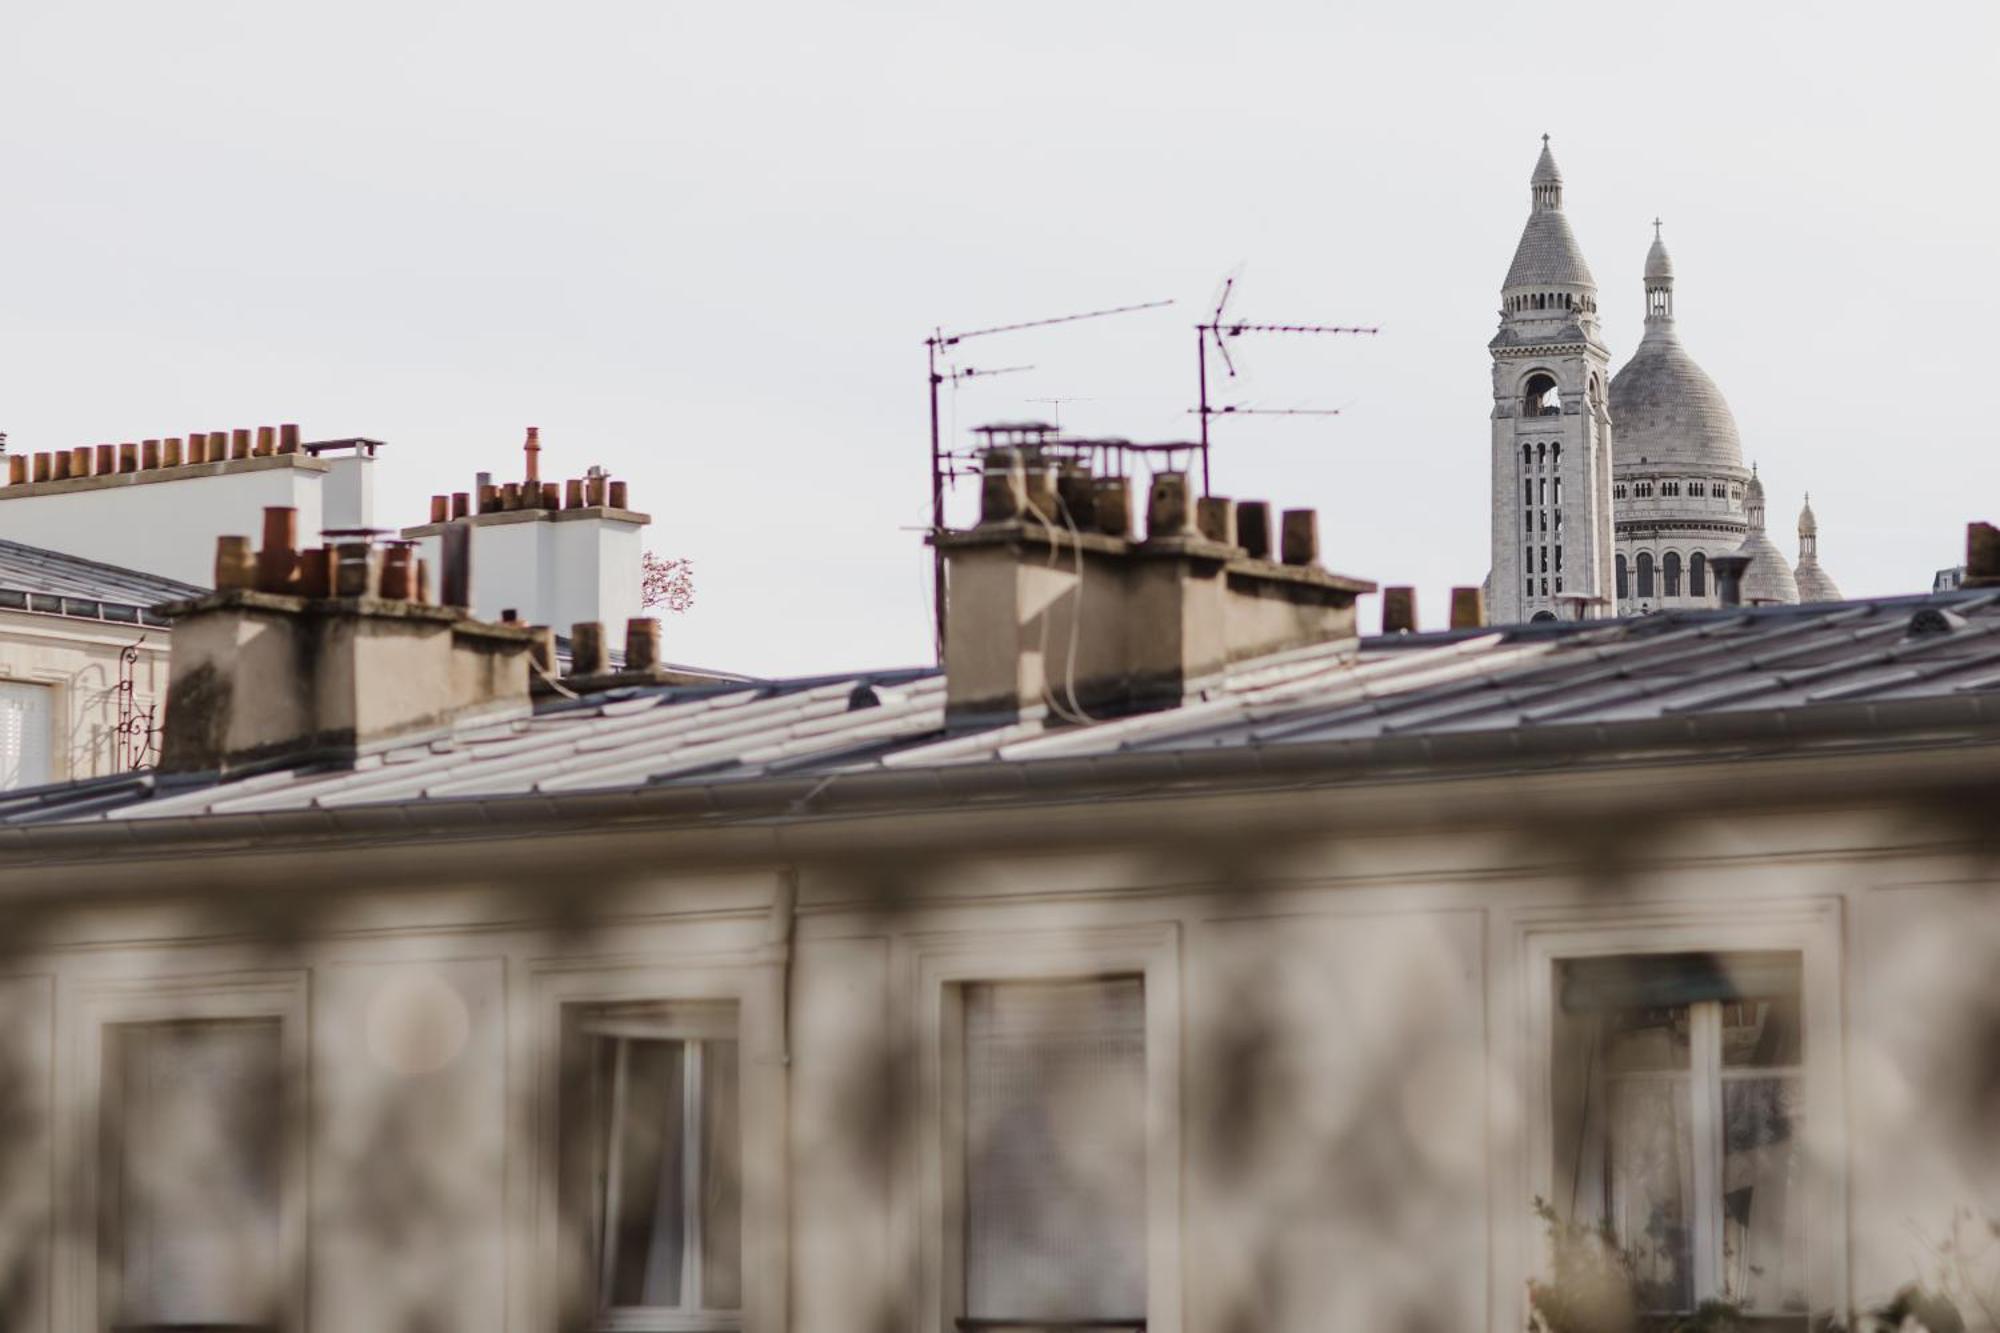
(1399, 610)
(288, 438)
(587, 656)
(235, 563)
(1300, 537)
(398, 573)
(267, 441)
(642, 643)
(1468, 608)
(170, 451)
(1253, 528)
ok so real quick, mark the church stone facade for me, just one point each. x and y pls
(1612, 494)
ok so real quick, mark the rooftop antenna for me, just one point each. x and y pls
(941, 342)
(1219, 330)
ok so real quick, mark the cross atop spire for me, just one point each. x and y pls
(1656, 228)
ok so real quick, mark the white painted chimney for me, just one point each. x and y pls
(555, 554)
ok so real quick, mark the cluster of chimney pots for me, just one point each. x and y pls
(98, 460)
(358, 568)
(595, 491)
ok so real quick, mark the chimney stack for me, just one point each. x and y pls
(264, 678)
(1048, 615)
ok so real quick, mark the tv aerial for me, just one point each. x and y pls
(944, 463)
(1219, 332)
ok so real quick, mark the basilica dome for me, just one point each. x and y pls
(1665, 410)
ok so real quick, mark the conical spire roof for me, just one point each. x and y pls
(1659, 265)
(1548, 255)
(1815, 584)
(1546, 170)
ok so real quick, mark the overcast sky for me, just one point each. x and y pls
(701, 245)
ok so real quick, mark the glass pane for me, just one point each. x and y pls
(721, 1179)
(1055, 1152)
(648, 1173)
(1647, 1038)
(1761, 1034)
(1763, 1196)
(1651, 1187)
(195, 1163)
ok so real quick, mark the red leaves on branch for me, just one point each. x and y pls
(667, 585)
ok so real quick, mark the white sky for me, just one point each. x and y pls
(702, 244)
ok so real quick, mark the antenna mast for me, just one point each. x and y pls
(942, 342)
(1216, 330)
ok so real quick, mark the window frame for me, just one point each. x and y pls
(937, 970)
(1809, 927)
(696, 1025)
(220, 998)
(562, 1281)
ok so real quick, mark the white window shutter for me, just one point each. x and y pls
(1055, 1150)
(27, 734)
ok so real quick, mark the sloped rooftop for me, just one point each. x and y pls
(1791, 671)
(33, 578)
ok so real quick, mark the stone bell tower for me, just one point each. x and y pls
(1552, 530)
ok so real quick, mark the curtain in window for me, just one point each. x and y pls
(192, 1117)
(1055, 1166)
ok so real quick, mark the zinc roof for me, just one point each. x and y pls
(1586, 682)
(33, 578)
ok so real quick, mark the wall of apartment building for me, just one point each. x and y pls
(1347, 1004)
(62, 679)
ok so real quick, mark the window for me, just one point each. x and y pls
(1619, 563)
(1670, 574)
(1697, 575)
(1697, 489)
(1055, 1153)
(1679, 1096)
(189, 1200)
(1645, 573)
(1618, 491)
(656, 1092)
(27, 734)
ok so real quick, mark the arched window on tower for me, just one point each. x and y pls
(1670, 574)
(1541, 398)
(1622, 592)
(1697, 575)
(1645, 574)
